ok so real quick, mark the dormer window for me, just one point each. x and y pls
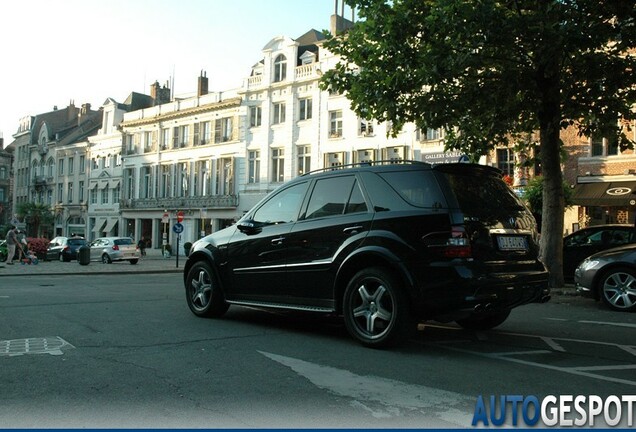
(307, 58)
(280, 68)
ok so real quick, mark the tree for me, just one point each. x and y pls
(490, 72)
(35, 215)
(533, 194)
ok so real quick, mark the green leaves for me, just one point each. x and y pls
(489, 68)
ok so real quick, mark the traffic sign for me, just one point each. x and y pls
(179, 216)
(165, 218)
(177, 228)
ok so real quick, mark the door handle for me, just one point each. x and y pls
(278, 241)
(352, 230)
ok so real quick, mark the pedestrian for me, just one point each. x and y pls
(12, 241)
(142, 246)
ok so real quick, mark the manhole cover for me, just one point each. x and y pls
(47, 345)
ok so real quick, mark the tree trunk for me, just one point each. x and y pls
(553, 198)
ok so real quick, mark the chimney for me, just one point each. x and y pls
(71, 111)
(1, 142)
(86, 108)
(154, 89)
(202, 84)
(160, 95)
(338, 22)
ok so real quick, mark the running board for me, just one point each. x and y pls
(282, 306)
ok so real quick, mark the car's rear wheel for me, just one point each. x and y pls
(617, 288)
(106, 259)
(484, 321)
(375, 309)
(134, 261)
(203, 292)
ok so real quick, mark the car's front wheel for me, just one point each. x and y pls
(375, 309)
(485, 321)
(203, 292)
(617, 288)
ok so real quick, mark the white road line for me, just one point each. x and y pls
(600, 368)
(514, 353)
(572, 371)
(552, 344)
(556, 319)
(609, 323)
(382, 397)
(629, 349)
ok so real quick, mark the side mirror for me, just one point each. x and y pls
(248, 226)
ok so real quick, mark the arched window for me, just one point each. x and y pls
(280, 68)
(50, 167)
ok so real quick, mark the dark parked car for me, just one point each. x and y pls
(610, 276)
(588, 241)
(64, 248)
(384, 245)
(3, 250)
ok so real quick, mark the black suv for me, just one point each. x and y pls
(384, 245)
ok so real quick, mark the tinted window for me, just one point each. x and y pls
(383, 197)
(416, 187)
(329, 197)
(123, 241)
(356, 202)
(282, 207)
(77, 242)
(483, 195)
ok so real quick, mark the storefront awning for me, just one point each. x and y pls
(98, 225)
(110, 225)
(617, 194)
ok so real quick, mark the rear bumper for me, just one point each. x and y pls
(466, 292)
(505, 291)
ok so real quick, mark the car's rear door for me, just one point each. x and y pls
(335, 220)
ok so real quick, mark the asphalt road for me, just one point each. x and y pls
(123, 350)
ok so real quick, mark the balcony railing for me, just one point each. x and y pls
(210, 202)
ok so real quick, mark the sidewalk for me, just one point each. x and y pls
(153, 262)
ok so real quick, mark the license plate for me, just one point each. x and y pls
(512, 243)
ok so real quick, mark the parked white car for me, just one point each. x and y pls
(109, 249)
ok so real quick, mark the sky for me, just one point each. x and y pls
(56, 51)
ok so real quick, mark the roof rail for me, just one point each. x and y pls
(364, 164)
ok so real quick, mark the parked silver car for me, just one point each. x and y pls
(611, 277)
(109, 249)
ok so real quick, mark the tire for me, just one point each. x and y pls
(65, 259)
(375, 309)
(203, 292)
(134, 261)
(617, 289)
(485, 321)
(106, 259)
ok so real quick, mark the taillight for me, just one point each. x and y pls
(115, 247)
(458, 244)
(67, 248)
